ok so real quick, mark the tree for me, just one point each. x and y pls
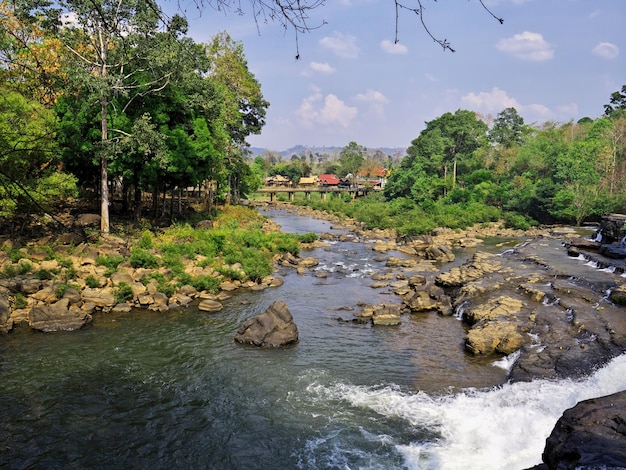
(508, 128)
(617, 103)
(29, 179)
(351, 158)
(104, 38)
(452, 139)
(244, 107)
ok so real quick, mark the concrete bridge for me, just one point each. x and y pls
(355, 192)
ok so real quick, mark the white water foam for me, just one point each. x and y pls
(501, 428)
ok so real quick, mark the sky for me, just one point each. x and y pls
(551, 60)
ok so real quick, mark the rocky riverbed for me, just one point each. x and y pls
(516, 303)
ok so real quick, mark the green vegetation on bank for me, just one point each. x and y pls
(459, 172)
(236, 248)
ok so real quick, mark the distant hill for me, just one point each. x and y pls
(300, 149)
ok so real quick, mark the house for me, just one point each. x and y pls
(328, 180)
(277, 180)
(308, 181)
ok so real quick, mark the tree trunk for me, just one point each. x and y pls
(104, 174)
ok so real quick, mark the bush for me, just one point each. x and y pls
(145, 241)
(44, 275)
(206, 283)
(19, 301)
(109, 261)
(516, 221)
(140, 258)
(123, 292)
(91, 282)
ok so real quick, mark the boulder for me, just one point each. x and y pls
(210, 305)
(57, 317)
(387, 315)
(592, 434)
(6, 323)
(273, 328)
(494, 337)
(87, 220)
(99, 297)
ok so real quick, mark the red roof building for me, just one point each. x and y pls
(328, 180)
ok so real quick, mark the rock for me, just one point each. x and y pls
(494, 336)
(583, 243)
(6, 323)
(209, 305)
(87, 220)
(99, 297)
(501, 308)
(618, 295)
(387, 315)
(273, 328)
(591, 435)
(57, 317)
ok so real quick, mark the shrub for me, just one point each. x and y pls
(145, 241)
(44, 275)
(109, 261)
(91, 281)
(140, 258)
(123, 292)
(230, 273)
(61, 288)
(309, 237)
(19, 301)
(516, 221)
(206, 283)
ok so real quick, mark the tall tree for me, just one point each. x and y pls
(508, 128)
(104, 37)
(351, 157)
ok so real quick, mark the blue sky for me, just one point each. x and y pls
(552, 60)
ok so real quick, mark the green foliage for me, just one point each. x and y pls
(351, 158)
(516, 221)
(140, 258)
(44, 275)
(206, 283)
(19, 301)
(109, 261)
(308, 237)
(232, 274)
(123, 292)
(145, 242)
(91, 282)
(61, 288)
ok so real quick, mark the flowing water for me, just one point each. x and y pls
(173, 390)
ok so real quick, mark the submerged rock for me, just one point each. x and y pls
(273, 328)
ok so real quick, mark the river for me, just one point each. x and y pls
(173, 390)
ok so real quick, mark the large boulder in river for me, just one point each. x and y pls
(592, 434)
(273, 328)
(57, 317)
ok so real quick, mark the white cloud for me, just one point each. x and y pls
(375, 101)
(606, 50)
(527, 46)
(341, 45)
(325, 111)
(491, 102)
(393, 48)
(496, 100)
(321, 67)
